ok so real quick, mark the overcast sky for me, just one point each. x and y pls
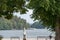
(27, 16)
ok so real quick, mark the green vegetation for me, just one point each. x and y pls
(14, 23)
(37, 25)
(17, 23)
(47, 11)
(8, 7)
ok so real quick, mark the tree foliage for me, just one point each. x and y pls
(7, 7)
(45, 10)
(14, 23)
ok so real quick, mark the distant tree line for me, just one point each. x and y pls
(37, 25)
(14, 23)
(17, 23)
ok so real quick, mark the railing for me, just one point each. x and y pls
(37, 38)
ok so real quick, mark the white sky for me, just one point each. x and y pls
(27, 16)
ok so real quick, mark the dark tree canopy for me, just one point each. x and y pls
(7, 7)
(45, 10)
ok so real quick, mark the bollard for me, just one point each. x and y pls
(24, 38)
(24, 34)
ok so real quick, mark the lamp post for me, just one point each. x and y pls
(24, 34)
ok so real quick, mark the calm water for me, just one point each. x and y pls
(29, 33)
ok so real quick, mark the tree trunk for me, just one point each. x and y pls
(57, 29)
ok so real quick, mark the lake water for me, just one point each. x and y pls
(37, 34)
(29, 33)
